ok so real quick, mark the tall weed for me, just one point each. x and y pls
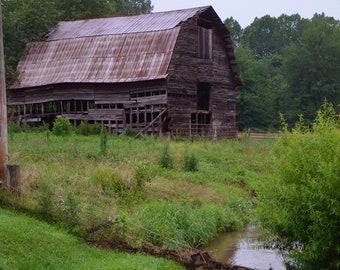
(166, 160)
(180, 225)
(190, 163)
(110, 181)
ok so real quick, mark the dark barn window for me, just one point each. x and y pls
(203, 96)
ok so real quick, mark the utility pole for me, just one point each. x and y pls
(3, 110)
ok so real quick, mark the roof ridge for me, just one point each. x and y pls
(150, 22)
(144, 14)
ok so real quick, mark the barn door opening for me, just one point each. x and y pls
(200, 120)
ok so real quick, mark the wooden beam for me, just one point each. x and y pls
(151, 123)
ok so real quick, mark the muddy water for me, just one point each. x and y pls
(243, 248)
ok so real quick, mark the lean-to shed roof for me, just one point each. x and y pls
(107, 50)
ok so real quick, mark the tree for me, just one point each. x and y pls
(87, 9)
(300, 203)
(84, 9)
(25, 21)
(262, 36)
(132, 7)
(290, 29)
(235, 29)
(269, 35)
(257, 98)
(311, 67)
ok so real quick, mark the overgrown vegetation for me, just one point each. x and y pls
(62, 127)
(300, 203)
(160, 195)
(69, 182)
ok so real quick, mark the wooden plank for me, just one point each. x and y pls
(151, 123)
(105, 112)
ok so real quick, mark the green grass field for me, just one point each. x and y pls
(71, 183)
(26, 243)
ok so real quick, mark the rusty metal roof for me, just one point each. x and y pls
(107, 50)
(124, 25)
(102, 59)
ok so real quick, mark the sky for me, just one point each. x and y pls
(245, 11)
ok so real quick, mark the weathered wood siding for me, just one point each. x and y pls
(187, 70)
(113, 105)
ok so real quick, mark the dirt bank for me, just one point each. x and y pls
(191, 259)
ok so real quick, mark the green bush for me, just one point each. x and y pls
(110, 181)
(190, 163)
(166, 160)
(69, 208)
(62, 127)
(301, 203)
(14, 127)
(130, 131)
(86, 129)
(142, 174)
(103, 141)
(45, 206)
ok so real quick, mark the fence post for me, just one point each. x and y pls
(14, 180)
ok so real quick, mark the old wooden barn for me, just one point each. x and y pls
(158, 73)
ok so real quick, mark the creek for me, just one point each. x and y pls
(245, 249)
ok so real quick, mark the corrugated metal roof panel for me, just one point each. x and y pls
(98, 59)
(124, 25)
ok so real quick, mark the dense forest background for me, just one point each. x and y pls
(289, 65)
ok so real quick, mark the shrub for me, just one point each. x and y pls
(190, 163)
(45, 207)
(130, 131)
(62, 127)
(110, 181)
(14, 127)
(69, 208)
(301, 203)
(166, 160)
(103, 141)
(142, 174)
(86, 129)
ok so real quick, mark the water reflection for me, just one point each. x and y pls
(243, 248)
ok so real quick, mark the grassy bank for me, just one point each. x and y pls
(168, 193)
(30, 244)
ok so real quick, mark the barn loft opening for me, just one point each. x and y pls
(204, 39)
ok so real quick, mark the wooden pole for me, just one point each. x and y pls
(3, 110)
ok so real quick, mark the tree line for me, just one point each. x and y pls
(289, 65)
